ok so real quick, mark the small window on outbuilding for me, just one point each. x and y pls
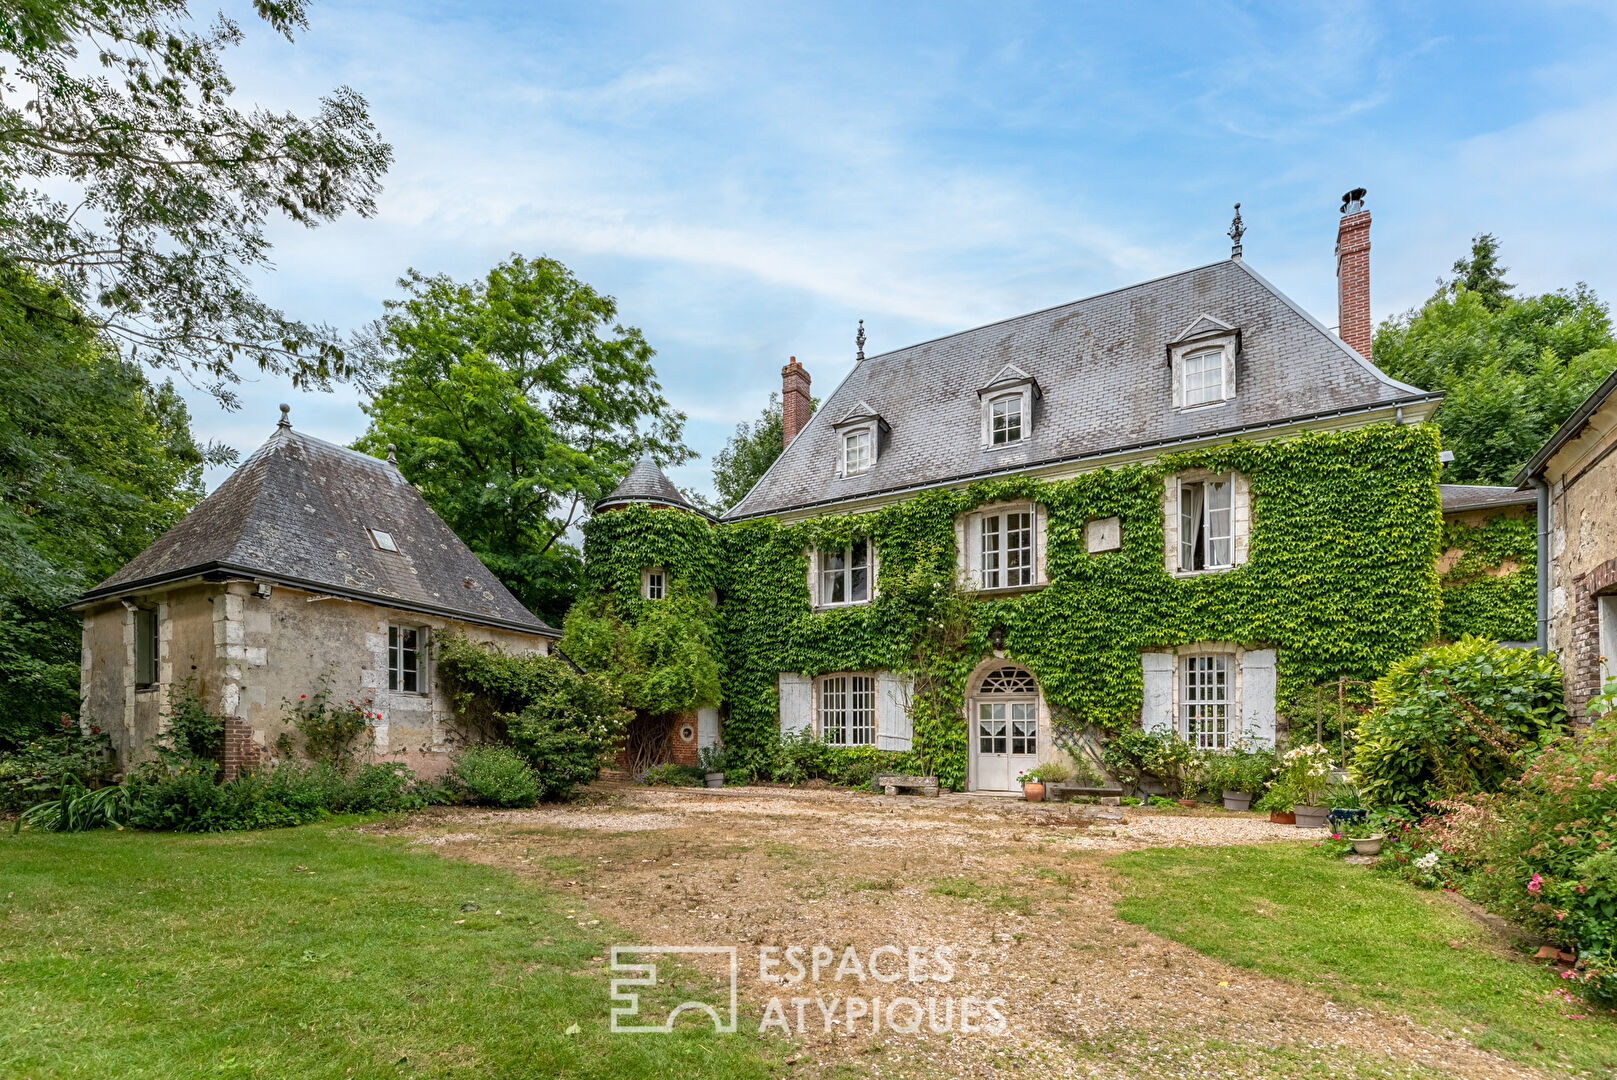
(383, 540)
(407, 659)
(145, 648)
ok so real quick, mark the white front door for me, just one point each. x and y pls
(1006, 741)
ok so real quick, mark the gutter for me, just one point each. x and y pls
(1542, 489)
(1097, 455)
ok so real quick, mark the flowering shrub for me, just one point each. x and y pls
(332, 732)
(1306, 772)
(40, 769)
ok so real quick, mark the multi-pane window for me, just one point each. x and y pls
(848, 710)
(855, 452)
(406, 662)
(1005, 419)
(1008, 726)
(1206, 525)
(845, 575)
(1205, 700)
(1007, 550)
(1203, 375)
(655, 583)
(145, 648)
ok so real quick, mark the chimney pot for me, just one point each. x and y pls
(1353, 273)
(795, 403)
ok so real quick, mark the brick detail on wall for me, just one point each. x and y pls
(1582, 658)
(684, 749)
(242, 752)
(795, 404)
(1353, 280)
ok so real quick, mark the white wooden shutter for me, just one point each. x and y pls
(1228, 353)
(893, 726)
(813, 558)
(1258, 695)
(974, 551)
(875, 567)
(796, 702)
(1156, 711)
(707, 727)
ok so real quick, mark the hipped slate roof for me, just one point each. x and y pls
(646, 484)
(1103, 366)
(1457, 497)
(298, 512)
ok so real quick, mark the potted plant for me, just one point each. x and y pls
(1032, 785)
(1307, 770)
(1279, 802)
(710, 759)
(1368, 845)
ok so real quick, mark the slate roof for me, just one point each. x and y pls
(298, 512)
(1458, 497)
(1102, 364)
(646, 484)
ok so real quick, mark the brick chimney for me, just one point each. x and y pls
(1353, 273)
(795, 404)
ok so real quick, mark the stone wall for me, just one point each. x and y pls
(251, 657)
(1583, 551)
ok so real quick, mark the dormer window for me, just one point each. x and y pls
(1202, 363)
(1203, 377)
(861, 431)
(1005, 419)
(856, 452)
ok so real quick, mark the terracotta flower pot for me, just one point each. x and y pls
(1187, 802)
(1282, 817)
(1311, 817)
(1237, 800)
(1033, 791)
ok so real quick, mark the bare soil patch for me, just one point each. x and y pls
(1018, 892)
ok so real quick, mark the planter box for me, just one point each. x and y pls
(1311, 817)
(1282, 817)
(1058, 792)
(1237, 800)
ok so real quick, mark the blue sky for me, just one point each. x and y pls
(749, 179)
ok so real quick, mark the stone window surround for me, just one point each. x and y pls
(1233, 712)
(968, 542)
(875, 704)
(873, 564)
(1239, 724)
(1027, 392)
(1228, 342)
(1240, 517)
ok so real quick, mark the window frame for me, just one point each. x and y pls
(866, 437)
(383, 540)
(1002, 549)
(1204, 525)
(1606, 642)
(397, 673)
(148, 670)
(1204, 721)
(856, 701)
(1220, 384)
(826, 577)
(653, 579)
(994, 405)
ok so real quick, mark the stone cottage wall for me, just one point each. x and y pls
(1583, 550)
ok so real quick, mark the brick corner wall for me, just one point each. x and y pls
(1582, 658)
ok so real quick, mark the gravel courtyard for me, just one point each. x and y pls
(1019, 892)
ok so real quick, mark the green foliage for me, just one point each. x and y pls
(663, 662)
(191, 731)
(1478, 598)
(40, 769)
(1249, 769)
(1341, 580)
(77, 808)
(95, 463)
(515, 403)
(187, 797)
(129, 179)
(332, 731)
(564, 723)
(1051, 772)
(1456, 719)
(1511, 369)
(749, 453)
(1305, 771)
(495, 775)
(670, 774)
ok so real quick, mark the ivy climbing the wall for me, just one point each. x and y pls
(1492, 588)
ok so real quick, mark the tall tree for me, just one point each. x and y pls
(1511, 368)
(95, 462)
(129, 180)
(514, 404)
(749, 453)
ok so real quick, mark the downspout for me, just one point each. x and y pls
(1543, 491)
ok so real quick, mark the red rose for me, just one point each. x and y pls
(95, 729)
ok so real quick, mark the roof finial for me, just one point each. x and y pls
(286, 417)
(392, 458)
(1237, 230)
(859, 340)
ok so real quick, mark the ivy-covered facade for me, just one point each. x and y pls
(1488, 566)
(1182, 505)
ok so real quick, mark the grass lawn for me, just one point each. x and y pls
(311, 952)
(1288, 912)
